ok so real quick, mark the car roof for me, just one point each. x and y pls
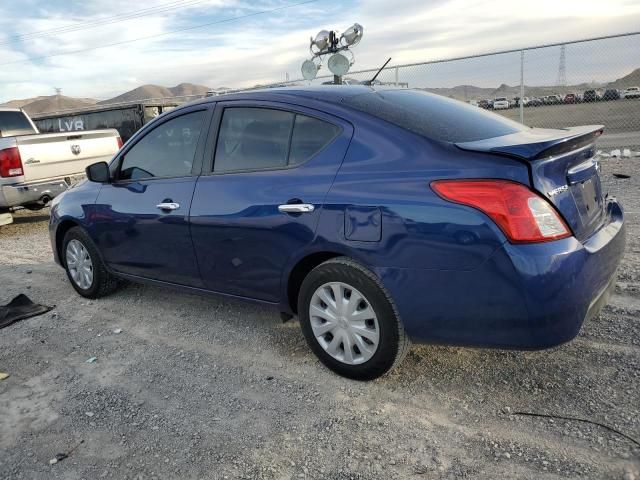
(326, 93)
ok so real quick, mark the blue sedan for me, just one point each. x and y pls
(378, 217)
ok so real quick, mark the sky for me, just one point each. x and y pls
(46, 44)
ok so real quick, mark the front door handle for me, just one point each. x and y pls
(168, 206)
(296, 208)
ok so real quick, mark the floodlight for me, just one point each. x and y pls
(309, 70)
(352, 35)
(338, 64)
(321, 41)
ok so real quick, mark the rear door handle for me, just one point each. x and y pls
(168, 206)
(296, 208)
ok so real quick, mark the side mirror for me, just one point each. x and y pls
(98, 172)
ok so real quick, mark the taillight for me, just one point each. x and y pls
(10, 162)
(120, 143)
(523, 215)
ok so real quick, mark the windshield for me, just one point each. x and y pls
(14, 123)
(433, 116)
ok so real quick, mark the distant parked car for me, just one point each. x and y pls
(501, 103)
(484, 104)
(592, 96)
(631, 92)
(571, 98)
(611, 94)
(535, 102)
(552, 99)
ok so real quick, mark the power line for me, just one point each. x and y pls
(103, 21)
(217, 22)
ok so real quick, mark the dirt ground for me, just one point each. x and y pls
(197, 387)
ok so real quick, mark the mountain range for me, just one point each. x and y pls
(184, 91)
(54, 103)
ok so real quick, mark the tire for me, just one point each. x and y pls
(102, 283)
(384, 341)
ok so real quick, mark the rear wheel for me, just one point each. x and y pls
(84, 267)
(349, 320)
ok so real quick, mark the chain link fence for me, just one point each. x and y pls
(585, 82)
(582, 82)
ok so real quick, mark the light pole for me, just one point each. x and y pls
(331, 43)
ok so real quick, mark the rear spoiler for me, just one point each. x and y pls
(536, 143)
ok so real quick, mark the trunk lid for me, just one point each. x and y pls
(56, 155)
(563, 169)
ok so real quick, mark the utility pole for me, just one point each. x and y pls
(562, 68)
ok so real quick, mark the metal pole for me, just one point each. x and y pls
(396, 75)
(521, 86)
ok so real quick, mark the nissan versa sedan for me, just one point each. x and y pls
(378, 217)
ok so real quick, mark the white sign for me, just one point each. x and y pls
(70, 125)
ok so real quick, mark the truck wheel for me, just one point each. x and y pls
(84, 267)
(349, 320)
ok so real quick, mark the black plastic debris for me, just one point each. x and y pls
(621, 175)
(19, 308)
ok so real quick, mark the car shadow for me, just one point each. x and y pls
(24, 220)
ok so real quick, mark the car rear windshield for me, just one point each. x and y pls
(14, 123)
(433, 116)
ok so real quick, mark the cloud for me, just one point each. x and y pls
(263, 48)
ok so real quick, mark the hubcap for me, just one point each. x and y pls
(344, 323)
(79, 264)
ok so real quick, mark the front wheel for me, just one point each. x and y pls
(85, 269)
(349, 320)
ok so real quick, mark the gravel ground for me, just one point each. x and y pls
(197, 387)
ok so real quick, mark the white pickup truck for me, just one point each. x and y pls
(36, 167)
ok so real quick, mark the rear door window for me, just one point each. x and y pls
(263, 138)
(433, 116)
(253, 139)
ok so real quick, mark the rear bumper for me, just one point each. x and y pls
(523, 297)
(21, 194)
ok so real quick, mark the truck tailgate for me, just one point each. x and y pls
(62, 154)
